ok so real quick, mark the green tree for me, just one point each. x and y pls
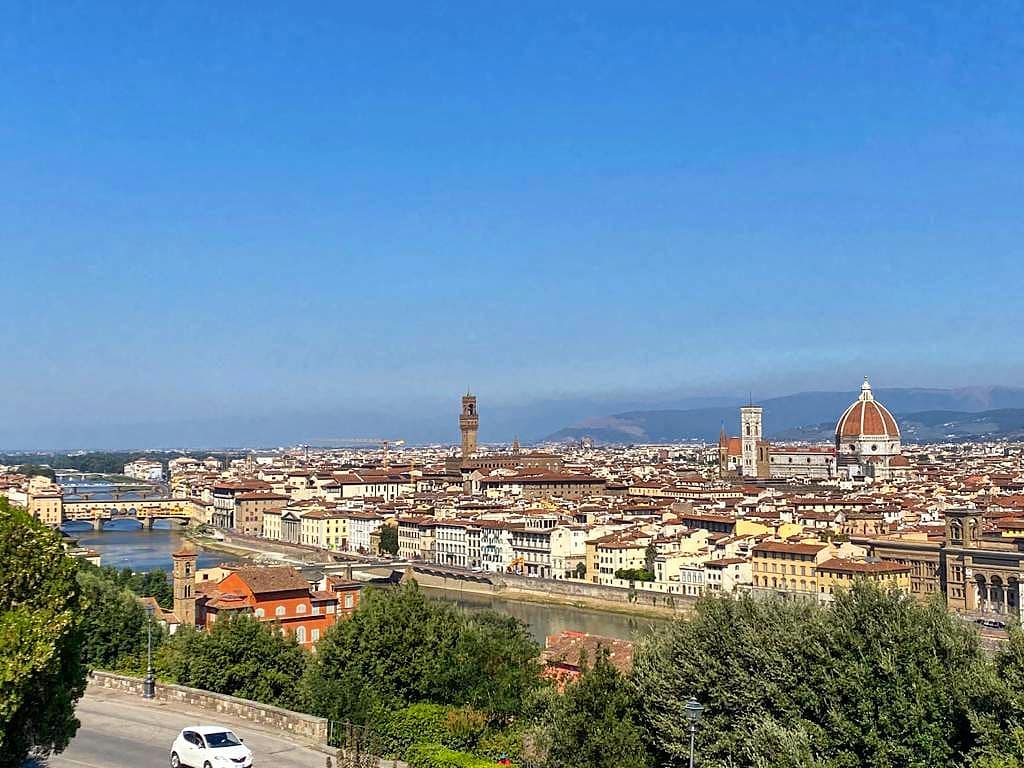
(115, 625)
(389, 540)
(581, 570)
(144, 584)
(41, 672)
(1002, 742)
(400, 648)
(153, 584)
(873, 679)
(31, 470)
(239, 656)
(634, 574)
(650, 553)
(595, 722)
(494, 664)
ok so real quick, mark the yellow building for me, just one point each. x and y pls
(840, 572)
(619, 552)
(783, 567)
(817, 569)
(47, 505)
(328, 530)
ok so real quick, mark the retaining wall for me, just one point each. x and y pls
(504, 582)
(306, 727)
(571, 588)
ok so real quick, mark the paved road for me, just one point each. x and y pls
(119, 731)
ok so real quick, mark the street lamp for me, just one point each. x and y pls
(693, 710)
(149, 684)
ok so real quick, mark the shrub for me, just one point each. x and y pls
(453, 727)
(426, 755)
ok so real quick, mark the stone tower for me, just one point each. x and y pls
(469, 422)
(750, 436)
(183, 576)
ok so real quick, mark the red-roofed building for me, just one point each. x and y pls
(280, 594)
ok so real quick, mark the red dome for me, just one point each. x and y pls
(867, 418)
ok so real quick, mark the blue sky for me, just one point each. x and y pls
(253, 210)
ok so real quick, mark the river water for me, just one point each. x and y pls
(124, 544)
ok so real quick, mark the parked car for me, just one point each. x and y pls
(209, 746)
(991, 623)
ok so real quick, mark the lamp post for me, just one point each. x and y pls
(693, 710)
(149, 684)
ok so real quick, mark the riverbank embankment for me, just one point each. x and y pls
(552, 592)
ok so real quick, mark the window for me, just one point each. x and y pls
(259, 613)
(300, 635)
(316, 610)
(314, 635)
(300, 608)
(279, 611)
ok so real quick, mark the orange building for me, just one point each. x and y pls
(280, 594)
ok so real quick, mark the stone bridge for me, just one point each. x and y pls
(179, 512)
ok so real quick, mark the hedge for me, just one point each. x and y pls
(427, 755)
(459, 728)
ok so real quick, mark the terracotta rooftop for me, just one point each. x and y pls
(274, 578)
(565, 650)
(791, 549)
(844, 565)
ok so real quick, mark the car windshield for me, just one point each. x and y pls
(222, 739)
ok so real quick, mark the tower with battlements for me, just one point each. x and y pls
(469, 422)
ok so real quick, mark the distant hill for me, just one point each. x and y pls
(933, 427)
(924, 414)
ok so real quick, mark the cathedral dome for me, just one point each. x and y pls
(867, 417)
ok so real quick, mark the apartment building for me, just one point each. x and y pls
(360, 526)
(145, 470)
(451, 546)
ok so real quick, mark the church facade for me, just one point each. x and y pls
(867, 446)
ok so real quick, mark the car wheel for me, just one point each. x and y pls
(175, 760)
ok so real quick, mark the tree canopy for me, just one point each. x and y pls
(389, 540)
(41, 670)
(874, 679)
(595, 722)
(239, 656)
(115, 624)
(401, 648)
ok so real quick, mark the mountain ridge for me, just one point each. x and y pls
(800, 415)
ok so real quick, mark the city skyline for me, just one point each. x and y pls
(292, 214)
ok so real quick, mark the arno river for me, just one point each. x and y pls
(123, 545)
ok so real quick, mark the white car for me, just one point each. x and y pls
(209, 746)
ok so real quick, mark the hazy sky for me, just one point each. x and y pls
(247, 210)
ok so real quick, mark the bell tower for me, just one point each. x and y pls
(750, 423)
(963, 528)
(183, 577)
(469, 422)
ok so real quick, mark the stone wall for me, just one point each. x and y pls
(572, 588)
(305, 727)
(504, 583)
